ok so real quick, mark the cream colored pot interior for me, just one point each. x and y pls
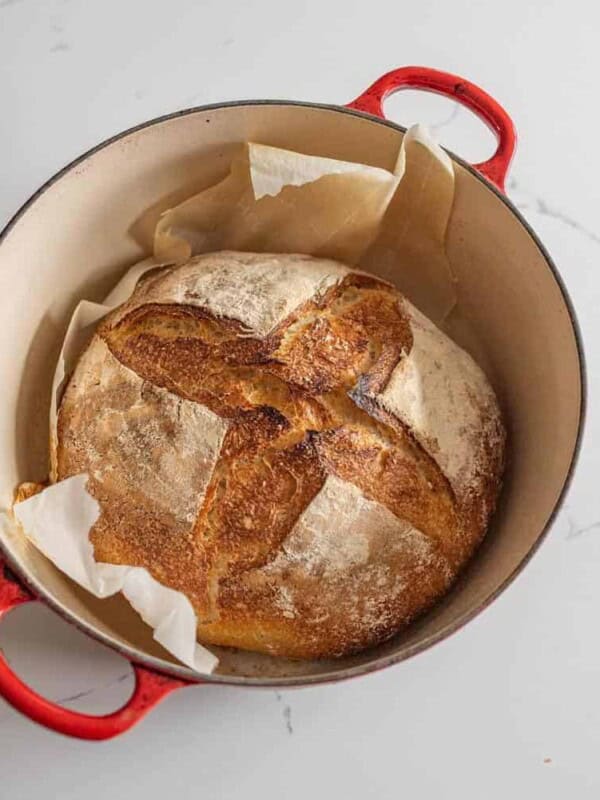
(75, 239)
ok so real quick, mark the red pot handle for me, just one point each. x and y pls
(150, 687)
(467, 94)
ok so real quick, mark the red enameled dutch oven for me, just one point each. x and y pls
(74, 237)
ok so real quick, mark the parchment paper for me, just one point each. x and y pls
(58, 521)
(277, 201)
(409, 250)
(389, 223)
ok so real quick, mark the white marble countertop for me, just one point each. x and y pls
(509, 706)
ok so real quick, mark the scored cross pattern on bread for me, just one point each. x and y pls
(289, 443)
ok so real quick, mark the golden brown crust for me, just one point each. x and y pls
(303, 445)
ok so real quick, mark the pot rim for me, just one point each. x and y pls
(185, 673)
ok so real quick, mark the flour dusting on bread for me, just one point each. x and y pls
(258, 290)
(443, 397)
(131, 436)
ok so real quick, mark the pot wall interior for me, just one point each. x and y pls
(74, 241)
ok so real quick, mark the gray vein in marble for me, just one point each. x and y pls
(435, 127)
(6, 3)
(78, 695)
(543, 208)
(287, 713)
(576, 530)
(88, 692)
(537, 204)
(60, 47)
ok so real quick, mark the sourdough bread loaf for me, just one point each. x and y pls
(288, 442)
